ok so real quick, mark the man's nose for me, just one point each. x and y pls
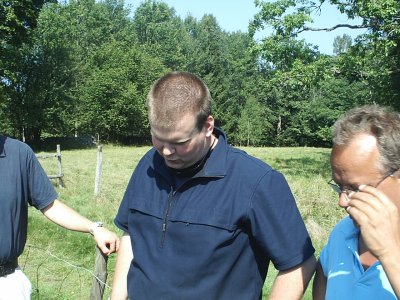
(168, 149)
(343, 200)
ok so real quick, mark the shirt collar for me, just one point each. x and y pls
(351, 233)
(216, 163)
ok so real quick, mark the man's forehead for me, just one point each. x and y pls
(174, 133)
(359, 144)
(360, 152)
(366, 142)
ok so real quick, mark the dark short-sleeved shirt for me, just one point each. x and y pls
(22, 182)
(214, 236)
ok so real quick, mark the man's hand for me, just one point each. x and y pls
(106, 240)
(378, 219)
(379, 222)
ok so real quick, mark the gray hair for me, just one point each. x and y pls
(381, 122)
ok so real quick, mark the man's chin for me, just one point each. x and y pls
(175, 164)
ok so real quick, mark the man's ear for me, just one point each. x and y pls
(209, 125)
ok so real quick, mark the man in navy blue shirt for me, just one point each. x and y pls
(23, 182)
(201, 219)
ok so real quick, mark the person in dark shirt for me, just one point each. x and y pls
(23, 182)
(202, 219)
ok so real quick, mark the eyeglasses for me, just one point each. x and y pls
(339, 190)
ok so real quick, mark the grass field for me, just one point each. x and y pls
(59, 262)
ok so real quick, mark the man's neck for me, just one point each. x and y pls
(367, 259)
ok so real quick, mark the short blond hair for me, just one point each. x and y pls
(176, 94)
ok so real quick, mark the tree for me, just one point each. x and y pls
(325, 104)
(209, 61)
(162, 33)
(341, 44)
(281, 48)
(18, 18)
(242, 83)
(65, 57)
(252, 124)
(379, 46)
(112, 103)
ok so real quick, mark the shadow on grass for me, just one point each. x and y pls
(83, 142)
(66, 143)
(305, 166)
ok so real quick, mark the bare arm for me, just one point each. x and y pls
(68, 218)
(124, 259)
(319, 284)
(296, 278)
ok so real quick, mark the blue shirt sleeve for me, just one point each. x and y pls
(276, 223)
(121, 219)
(40, 189)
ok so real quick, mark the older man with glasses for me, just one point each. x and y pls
(362, 257)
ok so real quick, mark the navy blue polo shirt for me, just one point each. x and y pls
(214, 236)
(22, 182)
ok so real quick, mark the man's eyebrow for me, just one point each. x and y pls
(173, 141)
(349, 186)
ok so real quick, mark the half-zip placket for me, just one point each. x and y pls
(171, 196)
(166, 216)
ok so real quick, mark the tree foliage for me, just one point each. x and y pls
(18, 19)
(84, 67)
(341, 44)
(367, 71)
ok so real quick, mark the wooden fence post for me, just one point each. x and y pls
(99, 167)
(100, 271)
(60, 173)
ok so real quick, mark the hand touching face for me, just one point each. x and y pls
(378, 219)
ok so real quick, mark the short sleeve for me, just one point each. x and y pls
(276, 223)
(40, 189)
(121, 219)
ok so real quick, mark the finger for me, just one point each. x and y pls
(367, 208)
(357, 216)
(372, 206)
(117, 245)
(371, 221)
(112, 246)
(104, 249)
(374, 192)
(364, 200)
(366, 216)
(365, 204)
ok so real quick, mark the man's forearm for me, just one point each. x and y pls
(392, 270)
(122, 265)
(291, 284)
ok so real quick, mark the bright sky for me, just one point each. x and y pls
(234, 15)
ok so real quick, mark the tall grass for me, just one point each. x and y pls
(58, 262)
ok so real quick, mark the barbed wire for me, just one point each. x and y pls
(69, 264)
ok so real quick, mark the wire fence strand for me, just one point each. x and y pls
(64, 261)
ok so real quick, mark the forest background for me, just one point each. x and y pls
(83, 68)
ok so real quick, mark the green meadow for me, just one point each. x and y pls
(60, 263)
